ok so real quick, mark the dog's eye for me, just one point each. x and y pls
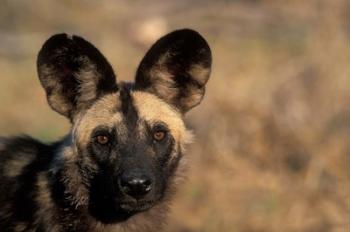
(102, 139)
(102, 135)
(159, 135)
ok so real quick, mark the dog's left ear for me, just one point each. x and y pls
(176, 69)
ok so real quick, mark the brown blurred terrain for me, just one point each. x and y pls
(272, 149)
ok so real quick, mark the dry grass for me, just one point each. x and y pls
(272, 148)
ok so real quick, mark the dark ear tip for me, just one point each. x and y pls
(60, 40)
(196, 41)
(54, 42)
(57, 40)
(189, 35)
(186, 32)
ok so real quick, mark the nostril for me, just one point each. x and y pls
(148, 185)
(135, 187)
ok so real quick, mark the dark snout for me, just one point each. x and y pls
(135, 184)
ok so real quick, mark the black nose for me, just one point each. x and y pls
(135, 187)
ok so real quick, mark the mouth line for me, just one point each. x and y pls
(132, 206)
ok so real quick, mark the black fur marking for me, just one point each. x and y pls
(166, 151)
(66, 210)
(163, 151)
(172, 166)
(104, 203)
(100, 153)
(128, 108)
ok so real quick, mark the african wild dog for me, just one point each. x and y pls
(120, 162)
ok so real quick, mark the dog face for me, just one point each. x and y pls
(127, 138)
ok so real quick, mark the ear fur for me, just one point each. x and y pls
(73, 73)
(176, 69)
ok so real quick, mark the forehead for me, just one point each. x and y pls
(108, 112)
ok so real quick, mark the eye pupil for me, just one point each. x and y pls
(159, 135)
(102, 139)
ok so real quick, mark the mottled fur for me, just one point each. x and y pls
(78, 183)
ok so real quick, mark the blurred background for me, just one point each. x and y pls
(272, 149)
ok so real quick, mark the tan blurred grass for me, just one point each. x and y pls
(272, 150)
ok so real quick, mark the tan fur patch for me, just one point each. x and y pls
(153, 109)
(56, 101)
(200, 73)
(163, 83)
(150, 107)
(14, 167)
(87, 78)
(20, 227)
(103, 112)
(47, 208)
(195, 97)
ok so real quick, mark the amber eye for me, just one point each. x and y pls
(102, 139)
(159, 135)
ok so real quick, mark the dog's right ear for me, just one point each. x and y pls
(73, 73)
(176, 69)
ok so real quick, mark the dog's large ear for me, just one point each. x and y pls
(73, 73)
(176, 69)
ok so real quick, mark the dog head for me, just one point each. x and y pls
(128, 138)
